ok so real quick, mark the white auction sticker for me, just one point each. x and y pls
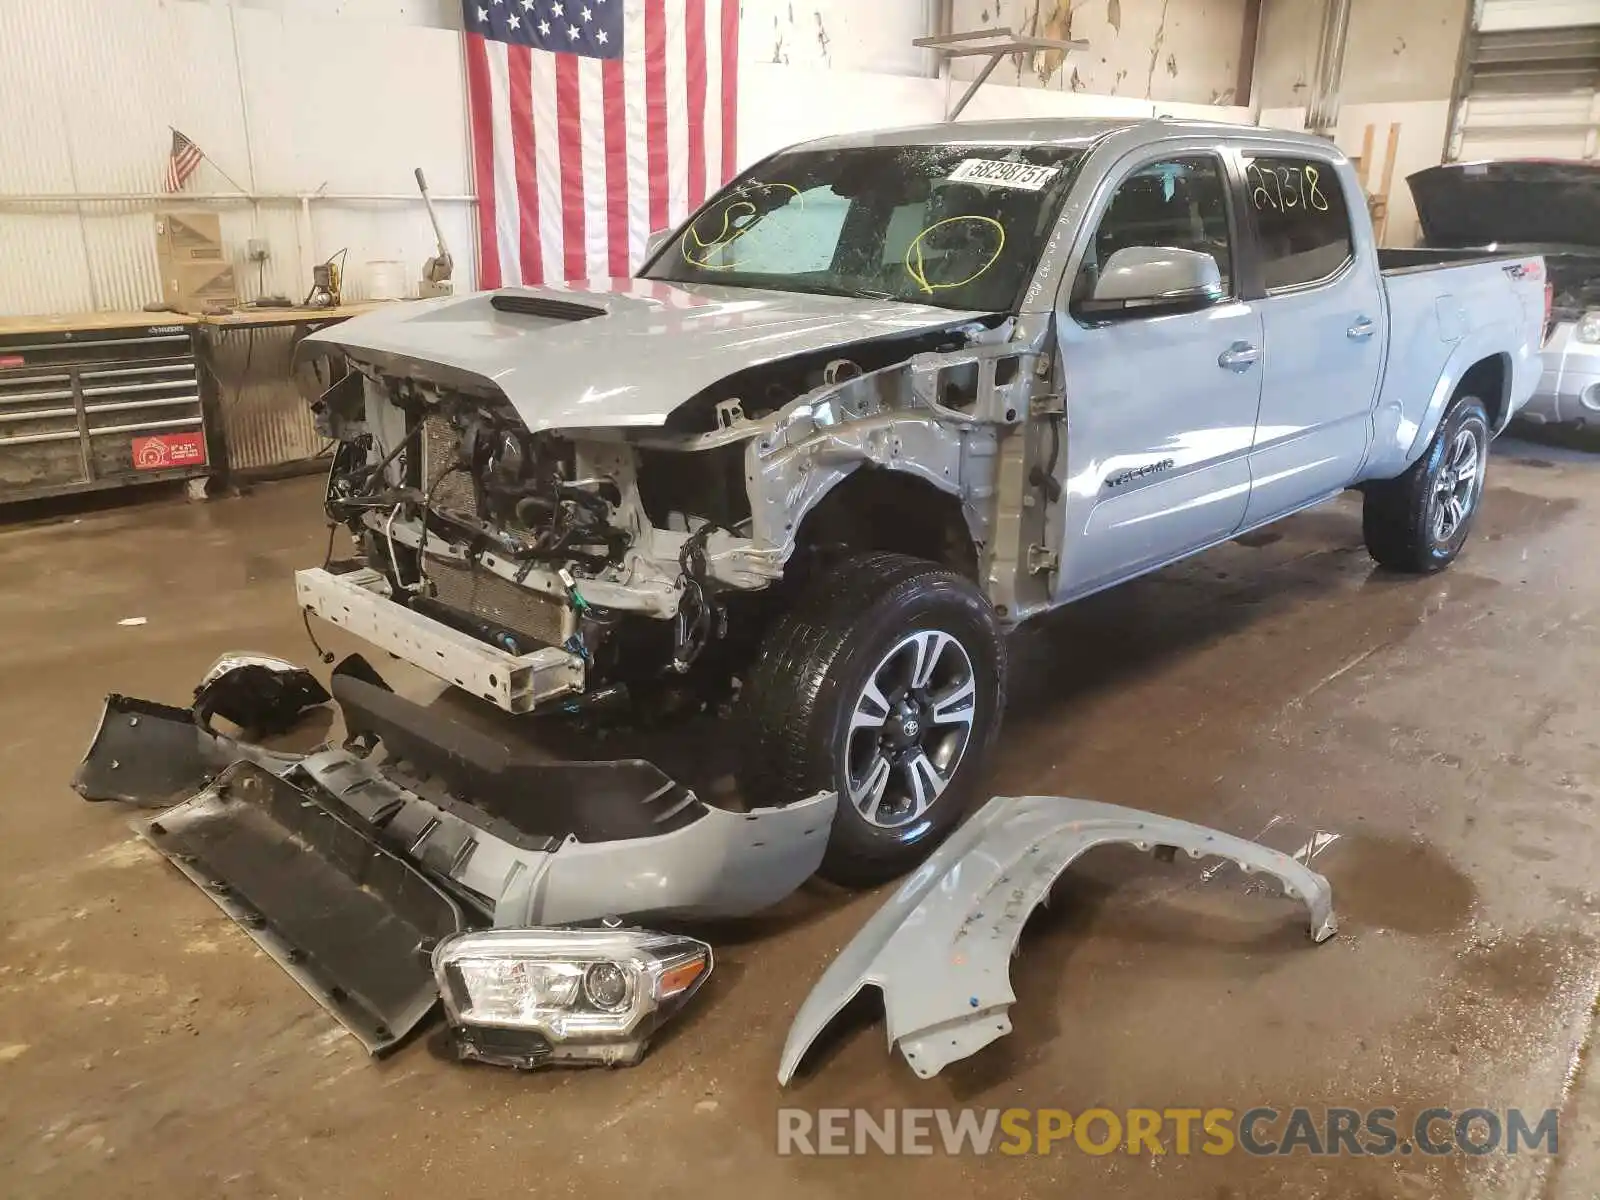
(1003, 174)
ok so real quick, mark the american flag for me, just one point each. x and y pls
(594, 124)
(181, 162)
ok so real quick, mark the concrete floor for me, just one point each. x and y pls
(1440, 726)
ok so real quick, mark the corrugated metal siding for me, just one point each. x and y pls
(289, 98)
(264, 419)
(100, 80)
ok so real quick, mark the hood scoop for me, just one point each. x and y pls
(527, 305)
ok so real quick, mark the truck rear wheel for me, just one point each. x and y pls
(885, 683)
(1419, 521)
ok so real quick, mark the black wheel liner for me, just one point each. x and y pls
(149, 754)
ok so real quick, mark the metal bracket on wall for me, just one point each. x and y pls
(996, 43)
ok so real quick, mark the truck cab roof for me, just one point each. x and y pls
(1056, 131)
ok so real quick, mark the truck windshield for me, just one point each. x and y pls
(953, 226)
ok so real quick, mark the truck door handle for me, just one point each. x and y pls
(1361, 330)
(1240, 356)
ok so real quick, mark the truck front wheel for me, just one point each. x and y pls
(885, 682)
(1419, 521)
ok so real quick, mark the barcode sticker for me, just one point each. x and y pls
(996, 173)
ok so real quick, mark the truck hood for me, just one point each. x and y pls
(1520, 202)
(615, 353)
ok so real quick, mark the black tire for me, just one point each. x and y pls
(875, 618)
(1407, 522)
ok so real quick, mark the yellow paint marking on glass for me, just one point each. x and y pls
(729, 234)
(918, 269)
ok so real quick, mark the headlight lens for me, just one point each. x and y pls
(528, 996)
(606, 986)
(1589, 327)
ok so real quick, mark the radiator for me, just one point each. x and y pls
(496, 600)
(470, 589)
(440, 444)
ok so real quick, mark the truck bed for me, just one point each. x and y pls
(1405, 260)
(1447, 310)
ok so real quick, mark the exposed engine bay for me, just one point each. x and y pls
(637, 550)
(527, 539)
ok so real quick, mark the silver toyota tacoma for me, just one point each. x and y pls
(879, 400)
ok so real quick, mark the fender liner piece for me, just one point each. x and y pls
(939, 949)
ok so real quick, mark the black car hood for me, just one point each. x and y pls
(1521, 206)
(1545, 202)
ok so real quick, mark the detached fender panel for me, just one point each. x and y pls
(939, 949)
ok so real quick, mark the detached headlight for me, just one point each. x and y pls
(1589, 327)
(525, 997)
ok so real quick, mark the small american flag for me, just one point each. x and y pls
(595, 123)
(182, 161)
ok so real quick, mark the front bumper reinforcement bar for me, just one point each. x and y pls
(359, 601)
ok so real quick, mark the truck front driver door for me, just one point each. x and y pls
(1161, 408)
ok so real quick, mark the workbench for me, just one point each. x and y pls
(108, 399)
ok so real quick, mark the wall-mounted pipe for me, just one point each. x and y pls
(179, 199)
(1327, 76)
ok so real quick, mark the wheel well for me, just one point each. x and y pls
(874, 509)
(1489, 379)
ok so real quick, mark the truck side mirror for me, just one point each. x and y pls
(1154, 280)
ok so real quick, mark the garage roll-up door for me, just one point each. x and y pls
(1530, 82)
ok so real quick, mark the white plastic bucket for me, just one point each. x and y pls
(386, 279)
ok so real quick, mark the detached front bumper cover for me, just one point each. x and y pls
(940, 948)
(348, 869)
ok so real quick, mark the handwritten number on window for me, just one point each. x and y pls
(1259, 196)
(1288, 181)
(1318, 200)
(1284, 189)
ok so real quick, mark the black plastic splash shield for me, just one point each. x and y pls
(350, 921)
(149, 754)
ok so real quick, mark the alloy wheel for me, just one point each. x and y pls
(1456, 488)
(910, 728)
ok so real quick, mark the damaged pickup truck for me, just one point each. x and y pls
(882, 398)
(878, 401)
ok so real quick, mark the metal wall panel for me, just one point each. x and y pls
(287, 97)
(264, 419)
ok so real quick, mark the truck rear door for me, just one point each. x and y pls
(1324, 328)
